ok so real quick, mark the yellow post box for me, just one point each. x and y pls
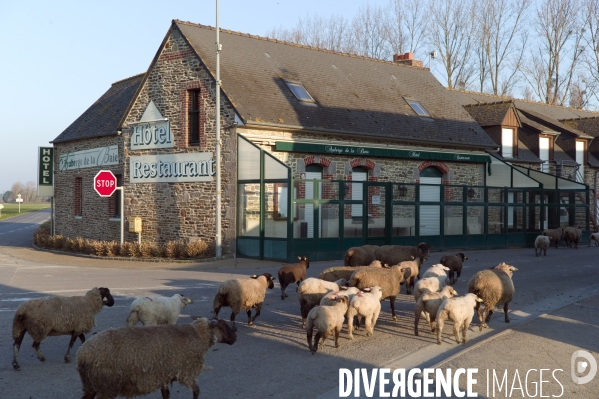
(135, 224)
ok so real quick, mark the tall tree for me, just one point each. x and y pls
(501, 32)
(590, 59)
(452, 32)
(407, 23)
(369, 28)
(553, 63)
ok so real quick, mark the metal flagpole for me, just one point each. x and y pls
(217, 115)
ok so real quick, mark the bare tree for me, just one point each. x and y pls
(501, 31)
(452, 31)
(590, 59)
(369, 32)
(553, 64)
(407, 26)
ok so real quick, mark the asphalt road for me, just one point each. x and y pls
(272, 359)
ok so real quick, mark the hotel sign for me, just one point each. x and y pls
(191, 167)
(379, 152)
(45, 172)
(103, 156)
(155, 134)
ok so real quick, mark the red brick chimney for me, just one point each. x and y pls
(407, 59)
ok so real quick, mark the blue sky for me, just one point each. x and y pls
(59, 56)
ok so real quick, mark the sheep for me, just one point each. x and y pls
(394, 254)
(360, 256)
(494, 287)
(389, 279)
(429, 302)
(337, 272)
(58, 315)
(295, 273)
(460, 311)
(135, 361)
(429, 284)
(327, 319)
(436, 271)
(554, 234)
(541, 245)
(311, 291)
(156, 310)
(454, 263)
(414, 267)
(572, 235)
(329, 299)
(243, 293)
(366, 305)
(594, 237)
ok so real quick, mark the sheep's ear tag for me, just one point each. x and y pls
(104, 299)
(254, 276)
(478, 300)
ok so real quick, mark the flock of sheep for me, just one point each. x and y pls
(137, 360)
(571, 236)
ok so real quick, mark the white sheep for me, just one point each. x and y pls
(594, 237)
(156, 310)
(329, 299)
(311, 291)
(460, 311)
(436, 271)
(327, 320)
(58, 315)
(365, 305)
(428, 304)
(135, 361)
(414, 268)
(429, 284)
(541, 245)
(243, 293)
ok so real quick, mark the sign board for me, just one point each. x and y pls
(19, 199)
(45, 172)
(135, 224)
(105, 183)
(190, 167)
(89, 158)
(152, 130)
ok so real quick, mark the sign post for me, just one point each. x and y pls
(1, 206)
(105, 185)
(19, 200)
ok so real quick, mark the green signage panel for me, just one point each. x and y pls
(378, 152)
(45, 172)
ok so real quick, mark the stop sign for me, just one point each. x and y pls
(105, 183)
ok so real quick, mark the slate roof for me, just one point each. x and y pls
(104, 117)
(355, 95)
(588, 125)
(489, 114)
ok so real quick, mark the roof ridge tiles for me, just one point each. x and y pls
(129, 78)
(268, 39)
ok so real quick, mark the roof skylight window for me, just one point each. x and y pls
(299, 91)
(418, 108)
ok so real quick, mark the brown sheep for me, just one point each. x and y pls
(360, 256)
(494, 287)
(554, 234)
(572, 235)
(337, 272)
(295, 273)
(394, 254)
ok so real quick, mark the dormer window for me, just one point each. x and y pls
(418, 108)
(507, 142)
(299, 91)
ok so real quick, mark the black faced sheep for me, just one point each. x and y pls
(135, 361)
(311, 291)
(58, 315)
(389, 279)
(394, 254)
(156, 310)
(454, 263)
(337, 272)
(360, 256)
(243, 293)
(295, 273)
(554, 234)
(460, 311)
(414, 268)
(494, 287)
(541, 245)
(327, 320)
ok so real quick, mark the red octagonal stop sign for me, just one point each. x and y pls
(105, 183)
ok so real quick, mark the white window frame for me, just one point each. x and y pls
(507, 142)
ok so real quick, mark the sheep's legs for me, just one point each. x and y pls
(196, 390)
(309, 339)
(505, 310)
(456, 332)
(166, 394)
(337, 331)
(304, 311)
(368, 325)
(16, 347)
(67, 356)
(38, 352)
(298, 284)
(233, 327)
(90, 395)
(283, 291)
(480, 316)
(252, 319)
(464, 330)
(439, 331)
(392, 300)
(350, 325)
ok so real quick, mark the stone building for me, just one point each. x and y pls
(321, 151)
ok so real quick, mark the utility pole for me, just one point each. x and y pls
(219, 250)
